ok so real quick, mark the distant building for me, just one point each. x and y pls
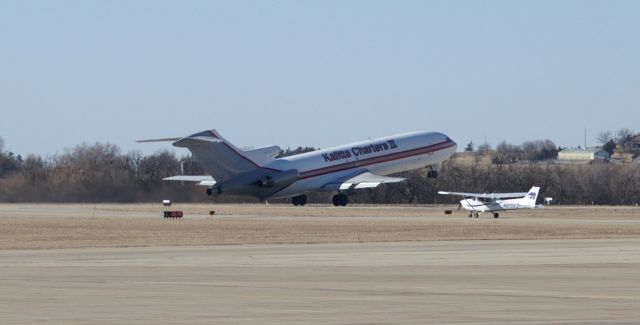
(635, 142)
(622, 157)
(594, 154)
(471, 158)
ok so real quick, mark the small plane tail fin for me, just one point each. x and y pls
(219, 157)
(532, 196)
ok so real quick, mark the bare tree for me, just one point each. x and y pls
(623, 134)
(623, 138)
(9, 162)
(484, 149)
(506, 153)
(604, 137)
(291, 152)
(530, 151)
(549, 149)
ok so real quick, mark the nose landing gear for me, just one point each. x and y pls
(432, 173)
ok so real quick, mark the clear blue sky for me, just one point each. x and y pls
(316, 73)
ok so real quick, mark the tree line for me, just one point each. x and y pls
(507, 153)
(92, 173)
(102, 173)
(586, 184)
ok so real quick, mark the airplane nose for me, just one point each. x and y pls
(455, 145)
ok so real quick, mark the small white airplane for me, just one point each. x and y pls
(477, 203)
(339, 169)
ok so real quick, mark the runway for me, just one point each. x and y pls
(440, 282)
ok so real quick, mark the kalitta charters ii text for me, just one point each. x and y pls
(358, 151)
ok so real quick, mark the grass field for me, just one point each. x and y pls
(35, 226)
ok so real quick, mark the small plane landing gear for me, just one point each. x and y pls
(496, 215)
(431, 173)
(476, 215)
(299, 200)
(340, 200)
(470, 215)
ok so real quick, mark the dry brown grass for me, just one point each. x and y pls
(36, 226)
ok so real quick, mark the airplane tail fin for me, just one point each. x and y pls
(219, 157)
(532, 196)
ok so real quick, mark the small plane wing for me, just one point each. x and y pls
(485, 195)
(203, 180)
(360, 180)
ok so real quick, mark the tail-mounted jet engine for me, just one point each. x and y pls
(256, 182)
(279, 178)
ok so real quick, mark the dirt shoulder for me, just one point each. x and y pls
(37, 226)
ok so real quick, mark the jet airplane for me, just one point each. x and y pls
(340, 169)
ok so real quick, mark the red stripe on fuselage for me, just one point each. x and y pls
(375, 160)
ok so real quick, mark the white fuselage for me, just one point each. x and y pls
(382, 156)
(491, 205)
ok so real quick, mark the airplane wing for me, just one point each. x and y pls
(485, 195)
(203, 180)
(360, 180)
(159, 140)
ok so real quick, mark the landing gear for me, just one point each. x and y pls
(299, 200)
(476, 215)
(431, 173)
(340, 200)
(470, 215)
(496, 215)
(213, 190)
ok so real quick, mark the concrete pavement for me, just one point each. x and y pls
(446, 282)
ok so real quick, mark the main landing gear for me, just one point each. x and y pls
(340, 200)
(299, 200)
(476, 214)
